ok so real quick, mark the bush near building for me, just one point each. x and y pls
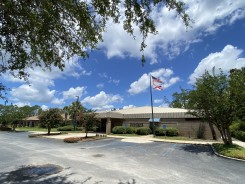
(237, 130)
(170, 131)
(131, 130)
(143, 131)
(119, 130)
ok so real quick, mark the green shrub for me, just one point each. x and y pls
(131, 130)
(240, 135)
(237, 126)
(119, 130)
(72, 139)
(143, 131)
(171, 131)
(79, 128)
(160, 131)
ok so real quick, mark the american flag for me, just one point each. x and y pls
(157, 83)
(156, 79)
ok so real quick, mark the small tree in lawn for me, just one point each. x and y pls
(50, 118)
(88, 120)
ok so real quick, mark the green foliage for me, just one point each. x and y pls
(50, 119)
(237, 126)
(64, 28)
(131, 130)
(171, 131)
(160, 131)
(143, 131)
(180, 100)
(12, 114)
(210, 99)
(89, 121)
(65, 128)
(237, 91)
(239, 135)
(201, 131)
(119, 130)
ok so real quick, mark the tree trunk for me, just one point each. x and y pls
(212, 131)
(49, 129)
(228, 135)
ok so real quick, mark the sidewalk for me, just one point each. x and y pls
(238, 142)
(142, 139)
(145, 139)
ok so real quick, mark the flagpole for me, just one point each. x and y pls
(152, 115)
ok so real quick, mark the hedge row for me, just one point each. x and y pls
(69, 128)
(131, 130)
(170, 131)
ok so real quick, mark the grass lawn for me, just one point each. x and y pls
(179, 138)
(37, 129)
(233, 151)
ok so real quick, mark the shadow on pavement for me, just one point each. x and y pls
(197, 149)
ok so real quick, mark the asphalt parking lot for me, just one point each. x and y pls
(114, 161)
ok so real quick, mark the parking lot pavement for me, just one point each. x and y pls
(114, 161)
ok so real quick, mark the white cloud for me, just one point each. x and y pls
(102, 101)
(73, 92)
(42, 81)
(128, 106)
(172, 38)
(103, 75)
(143, 83)
(57, 101)
(20, 104)
(157, 101)
(100, 85)
(226, 60)
(44, 107)
(32, 93)
(114, 81)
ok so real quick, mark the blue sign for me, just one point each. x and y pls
(164, 126)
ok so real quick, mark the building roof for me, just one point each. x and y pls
(147, 109)
(35, 118)
(145, 112)
(32, 118)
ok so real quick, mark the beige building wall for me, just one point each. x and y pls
(186, 127)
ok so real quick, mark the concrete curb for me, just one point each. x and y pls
(219, 155)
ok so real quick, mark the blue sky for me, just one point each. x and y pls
(113, 76)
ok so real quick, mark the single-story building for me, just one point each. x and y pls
(187, 124)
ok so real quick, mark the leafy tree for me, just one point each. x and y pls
(46, 33)
(50, 118)
(12, 114)
(180, 100)
(211, 100)
(88, 120)
(73, 110)
(237, 90)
